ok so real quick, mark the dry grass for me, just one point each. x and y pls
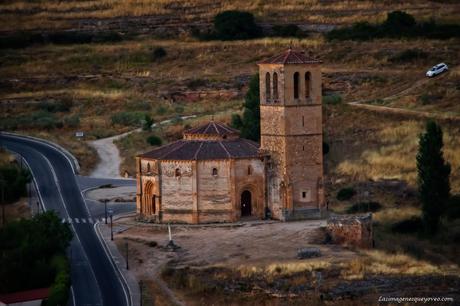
(51, 14)
(382, 263)
(284, 268)
(395, 158)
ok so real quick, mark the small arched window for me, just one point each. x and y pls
(214, 171)
(275, 86)
(307, 84)
(148, 167)
(296, 85)
(267, 87)
(177, 172)
(249, 170)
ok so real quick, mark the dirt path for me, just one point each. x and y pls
(109, 155)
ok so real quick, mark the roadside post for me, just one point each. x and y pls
(111, 224)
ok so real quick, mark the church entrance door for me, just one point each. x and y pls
(246, 204)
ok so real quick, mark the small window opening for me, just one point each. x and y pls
(304, 194)
(214, 171)
(177, 173)
(267, 86)
(148, 167)
(249, 170)
(296, 85)
(303, 148)
(303, 120)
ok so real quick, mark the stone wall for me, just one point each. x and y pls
(351, 230)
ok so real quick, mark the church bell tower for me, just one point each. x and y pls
(291, 134)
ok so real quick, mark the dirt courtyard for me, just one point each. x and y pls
(249, 243)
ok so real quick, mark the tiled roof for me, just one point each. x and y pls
(205, 150)
(24, 296)
(212, 128)
(290, 57)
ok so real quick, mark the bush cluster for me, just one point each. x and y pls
(411, 225)
(363, 207)
(59, 293)
(24, 39)
(333, 99)
(158, 53)
(154, 140)
(131, 118)
(28, 247)
(290, 30)
(13, 181)
(345, 194)
(397, 25)
(453, 207)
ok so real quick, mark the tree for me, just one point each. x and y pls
(154, 140)
(250, 123)
(433, 176)
(147, 123)
(230, 25)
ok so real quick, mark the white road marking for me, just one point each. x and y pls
(70, 220)
(76, 220)
(63, 220)
(83, 220)
(90, 220)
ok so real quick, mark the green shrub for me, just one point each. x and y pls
(408, 55)
(345, 194)
(411, 225)
(236, 121)
(290, 30)
(363, 207)
(397, 25)
(13, 180)
(233, 25)
(154, 140)
(161, 110)
(128, 118)
(41, 120)
(333, 99)
(147, 123)
(158, 53)
(59, 293)
(56, 106)
(72, 121)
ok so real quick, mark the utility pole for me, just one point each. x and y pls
(3, 202)
(111, 227)
(105, 206)
(141, 284)
(127, 254)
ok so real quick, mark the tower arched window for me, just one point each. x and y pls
(148, 167)
(177, 172)
(275, 86)
(267, 87)
(214, 171)
(296, 85)
(307, 84)
(249, 170)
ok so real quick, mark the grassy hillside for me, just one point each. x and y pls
(48, 14)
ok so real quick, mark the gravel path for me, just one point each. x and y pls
(109, 156)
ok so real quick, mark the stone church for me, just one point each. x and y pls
(213, 175)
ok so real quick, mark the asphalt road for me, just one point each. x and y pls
(94, 278)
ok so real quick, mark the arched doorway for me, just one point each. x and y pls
(149, 203)
(246, 203)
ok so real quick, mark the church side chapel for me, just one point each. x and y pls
(213, 175)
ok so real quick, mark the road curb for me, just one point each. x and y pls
(72, 159)
(117, 260)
